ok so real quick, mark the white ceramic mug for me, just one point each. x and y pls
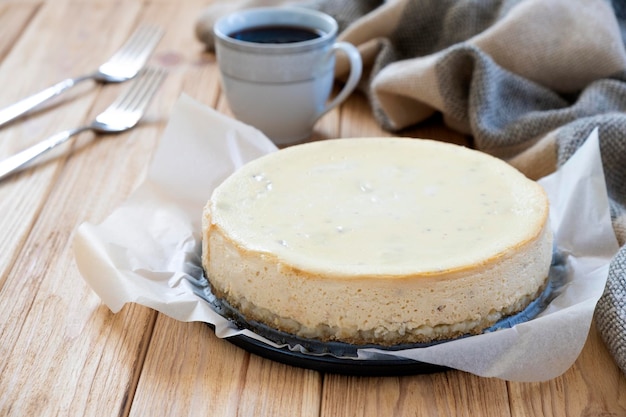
(282, 88)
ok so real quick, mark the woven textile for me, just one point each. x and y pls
(527, 79)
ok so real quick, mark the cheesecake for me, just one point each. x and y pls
(382, 241)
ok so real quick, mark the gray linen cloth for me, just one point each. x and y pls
(527, 79)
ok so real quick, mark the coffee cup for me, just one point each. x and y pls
(277, 68)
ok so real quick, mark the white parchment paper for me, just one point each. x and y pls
(142, 253)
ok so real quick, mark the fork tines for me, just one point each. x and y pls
(140, 45)
(141, 89)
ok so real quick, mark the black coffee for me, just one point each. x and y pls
(276, 34)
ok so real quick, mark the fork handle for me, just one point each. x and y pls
(23, 106)
(11, 164)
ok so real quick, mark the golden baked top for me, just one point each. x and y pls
(379, 206)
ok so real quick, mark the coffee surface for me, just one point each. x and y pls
(276, 34)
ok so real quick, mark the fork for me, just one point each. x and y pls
(123, 114)
(122, 66)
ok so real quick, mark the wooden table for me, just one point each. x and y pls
(62, 352)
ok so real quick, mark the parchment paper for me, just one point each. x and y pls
(144, 251)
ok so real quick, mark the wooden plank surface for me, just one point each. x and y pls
(14, 19)
(193, 372)
(63, 353)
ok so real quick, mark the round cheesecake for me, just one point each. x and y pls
(377, 240)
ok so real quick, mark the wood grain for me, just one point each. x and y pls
(192, 372)
(448, 393)
(61, 347)
(14, 19)
(22, 196)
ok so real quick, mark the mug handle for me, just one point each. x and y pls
(356, 68)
